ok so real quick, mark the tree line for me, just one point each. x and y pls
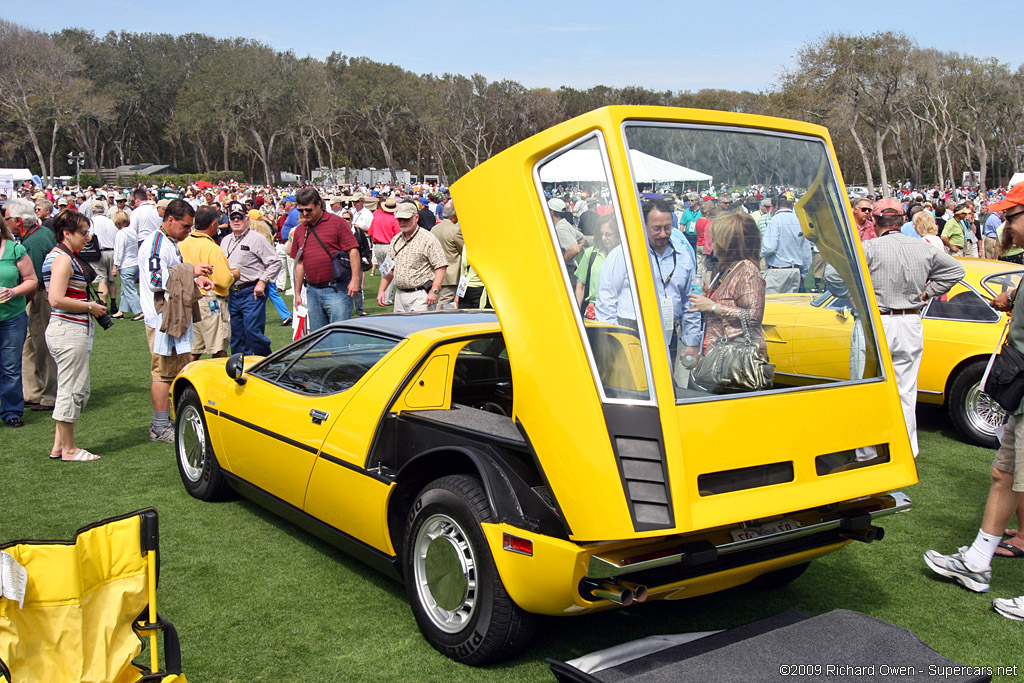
(203, 104)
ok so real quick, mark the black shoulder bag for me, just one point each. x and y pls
(1005, 380)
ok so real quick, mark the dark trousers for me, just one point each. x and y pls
(248, 320)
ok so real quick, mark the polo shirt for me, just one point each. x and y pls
(199, 247)
(336, 235)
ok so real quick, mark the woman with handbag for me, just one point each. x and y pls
(734, 307)
(69, 333)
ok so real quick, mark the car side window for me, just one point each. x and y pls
(328, 365)
(961, 303)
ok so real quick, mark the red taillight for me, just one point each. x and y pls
(514, 544)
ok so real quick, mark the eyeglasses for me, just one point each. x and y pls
(864, 209)
(660, 228)
(1010, 216)
(305, 210)
(237, 216)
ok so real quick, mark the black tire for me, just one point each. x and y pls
(974, 415)
(457, 597)
(200, 472)
(780, 577)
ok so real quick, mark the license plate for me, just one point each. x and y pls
(748, 533)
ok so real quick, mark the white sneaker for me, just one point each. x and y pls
(1010, 608)
(165, 435)
(954, 567)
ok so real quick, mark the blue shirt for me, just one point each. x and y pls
(290, 221)
(674, 265)
(909, 230)
(784, 242)
(992, 224)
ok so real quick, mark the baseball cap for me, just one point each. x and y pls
(255, 215)
(406, 210)
(887, 205)
(237, 209)
(556, 204)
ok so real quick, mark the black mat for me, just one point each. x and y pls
(838, 646)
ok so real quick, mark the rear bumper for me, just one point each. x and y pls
(673, 567)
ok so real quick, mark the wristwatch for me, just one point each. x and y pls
(436, 291)
(714, 307)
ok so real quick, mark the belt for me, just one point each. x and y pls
(381, 243)
(902, 311)
(110, 249)
(239, 286)
(425, 287)
(324, 284)
(781, 267)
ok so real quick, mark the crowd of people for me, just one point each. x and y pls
(198, 270)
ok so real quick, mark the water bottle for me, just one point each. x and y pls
(696, 285)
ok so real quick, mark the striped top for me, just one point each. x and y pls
(76, 288)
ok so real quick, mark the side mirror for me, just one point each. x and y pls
(235, 367)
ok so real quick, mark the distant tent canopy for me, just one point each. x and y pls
(1017, 177)
(584, 165)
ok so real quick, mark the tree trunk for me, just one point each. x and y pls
(865, 159)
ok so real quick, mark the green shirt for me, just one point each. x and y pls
(38, 244)
(954, 231)
(11, 277)
(595, 255)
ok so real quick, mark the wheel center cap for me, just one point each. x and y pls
(446, 577)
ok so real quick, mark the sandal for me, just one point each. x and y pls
(82, 456)
(139, 317)
(118, 315)
(1014, 551)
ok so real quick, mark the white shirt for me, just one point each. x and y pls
(144, 221)
(104, 230)
(157, 254)
(126, 249)
(362, 219)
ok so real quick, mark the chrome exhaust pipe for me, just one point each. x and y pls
(611, 591)
(639, 591)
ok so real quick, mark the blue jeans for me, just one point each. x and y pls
(248, 320)
(129, 291)
(326, 305)
(12, 340)
(275, 298)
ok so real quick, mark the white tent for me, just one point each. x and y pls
(584, 165)
(20, 174)
(1017, 177)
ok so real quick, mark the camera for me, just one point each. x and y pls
(105, 321)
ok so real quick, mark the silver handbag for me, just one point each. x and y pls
(733, 365)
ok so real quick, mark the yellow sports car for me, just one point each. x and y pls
(809, 334)
(532, 461)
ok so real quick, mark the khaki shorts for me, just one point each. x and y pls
(104, 266)
(164, 368)
(1010, 456)
(212, 333)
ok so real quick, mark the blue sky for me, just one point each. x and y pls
(684, 45)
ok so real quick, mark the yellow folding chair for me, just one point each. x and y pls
(88, 606)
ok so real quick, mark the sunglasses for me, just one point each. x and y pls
(237, 216)
(305, 210)
(864, 209)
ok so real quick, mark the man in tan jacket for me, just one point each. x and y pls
(449, 234)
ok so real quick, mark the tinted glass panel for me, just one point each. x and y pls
(330, 364)
(766, 266)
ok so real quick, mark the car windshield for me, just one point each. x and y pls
(745, 229)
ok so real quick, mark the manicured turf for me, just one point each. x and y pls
(254, 599)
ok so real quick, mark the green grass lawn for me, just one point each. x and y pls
(254, 599)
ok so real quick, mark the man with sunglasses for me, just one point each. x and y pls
(255, 265)
(317, 238)
(862, 217)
